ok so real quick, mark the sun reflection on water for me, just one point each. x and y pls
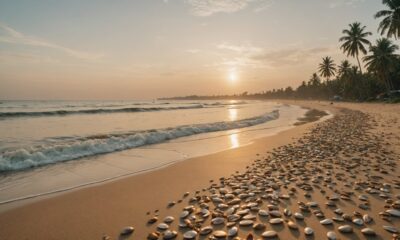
(234, 140)
(232, 114)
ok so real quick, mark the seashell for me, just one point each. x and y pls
(298, 216)
(263, 213)
(269, 234)
(190, 234)
(276, 221)
(249, 217)
(127, 231)
(287, 212)
(184, 214)
(170, 235)
(393, 212)
(312, 204)
(367, 218)
(358, 221)
(292, 225)
(338, 211)
(169, 219)
(338, 219)
(230, 224)
(152, 220)
(259, 226)
(246, 222)
(162, 226)
(205, 230)
(232, 232)
(363, 197)
(326, 221)
(345, 229)
(390, 229)
(308, 231)
(331, 235)
(275, 213)
(153, 236)
(233, 218)
(219, 234)
(368, 231)
(217, 221)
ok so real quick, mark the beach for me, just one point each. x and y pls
(336, 161)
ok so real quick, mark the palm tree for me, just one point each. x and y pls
(390, 23)
(354, 41)
(327, 68)
(382, 60)
(344, 68)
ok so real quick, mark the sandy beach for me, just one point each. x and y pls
(349, 162)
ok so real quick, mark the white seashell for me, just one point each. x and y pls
(246, 222)
(269, 234)
(276, 221)
(162, 226)
(345, 229)
(263, 213)
(393, 212)
(331, 235)
(391, 229)
(298, 215)
(190, 234)
(169, 219)
(367, 218)
(308, 231)
(170, 235)
(358, 221)
(184, 214)
(127, 231)
(232, 232)
(206, 230)
(368, 231)
(326, 221)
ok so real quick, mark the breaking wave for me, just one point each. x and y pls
(4, 115)
(77, 147)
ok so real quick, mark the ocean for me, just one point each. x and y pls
(53, 146)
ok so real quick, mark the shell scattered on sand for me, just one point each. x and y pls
(331, 175)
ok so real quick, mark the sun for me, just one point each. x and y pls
(232, 75)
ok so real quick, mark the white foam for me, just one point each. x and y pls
(24, 158)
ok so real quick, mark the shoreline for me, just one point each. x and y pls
(246, 154)
(30, 198)
(89, 213)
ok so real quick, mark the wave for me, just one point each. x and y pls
(24, 158)
(4, 115)
(225, 103)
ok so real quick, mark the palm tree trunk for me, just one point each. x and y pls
(359, 64)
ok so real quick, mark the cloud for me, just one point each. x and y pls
(290, 56)
(10, 35)
(209, 7)
(241, 49)
(339, 3)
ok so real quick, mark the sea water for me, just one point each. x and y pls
(52, 146)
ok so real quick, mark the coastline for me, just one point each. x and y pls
(121, 199)
(89, 213)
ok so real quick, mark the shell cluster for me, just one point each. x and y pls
(339, 177)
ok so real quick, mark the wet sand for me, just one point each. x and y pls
(101, 210)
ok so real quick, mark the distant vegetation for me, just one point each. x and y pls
(343, 80)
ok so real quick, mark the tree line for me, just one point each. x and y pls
(344, 80)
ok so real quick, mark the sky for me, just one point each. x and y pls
(144, 49)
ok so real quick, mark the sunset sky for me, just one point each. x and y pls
(144, 49)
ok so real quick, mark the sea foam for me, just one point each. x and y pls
(75, 148)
